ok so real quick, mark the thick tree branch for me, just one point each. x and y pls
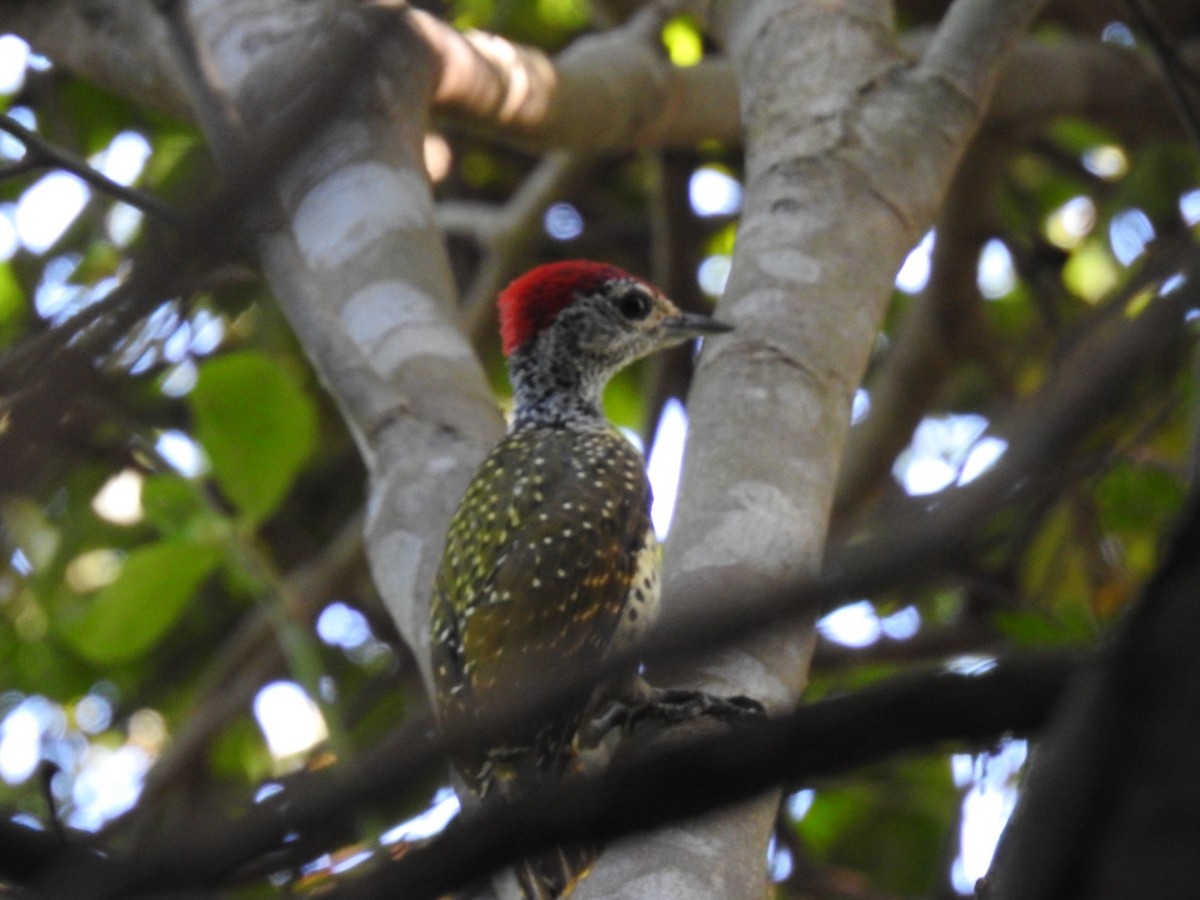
(205, 230)
(1109, 808)
(119, 45)
(1112, 84)
(936, 333)
(835, 196)
(615, 90)
(124, 47)
(972, 39)
(647, 788)
(658, 786)
(348, 243)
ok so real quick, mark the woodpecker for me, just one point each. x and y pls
(551, 560)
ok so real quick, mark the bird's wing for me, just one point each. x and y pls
(539, 566)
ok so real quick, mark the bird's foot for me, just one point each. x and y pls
(670, 707)
(612, 717)
(651, 713)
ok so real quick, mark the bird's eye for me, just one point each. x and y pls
(634, 305)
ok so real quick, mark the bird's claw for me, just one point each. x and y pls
(674, 706)
(657, 709)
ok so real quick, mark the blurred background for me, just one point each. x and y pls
(184, 604)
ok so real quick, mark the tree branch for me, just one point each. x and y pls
(972, 39)
(931, 645)
(655, 783)
(119, 45)
(514, 234)
(1174, 74)
(40, 152)
(936, 333)
(125, 49)
(614, 90)
(660, 785)
(1110, 803)
(388, 390)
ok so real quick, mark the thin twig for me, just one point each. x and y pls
(248, 660)
(1172, 68)
(41, 153)
(515, 232)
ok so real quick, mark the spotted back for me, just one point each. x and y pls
(545, 559)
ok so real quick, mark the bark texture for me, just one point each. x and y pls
(851, 141)
(351, 251)
(851, 144)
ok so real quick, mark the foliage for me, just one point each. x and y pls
(165, 501)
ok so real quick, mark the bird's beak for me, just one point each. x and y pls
(690, 325)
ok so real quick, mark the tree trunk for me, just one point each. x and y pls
(850, 145)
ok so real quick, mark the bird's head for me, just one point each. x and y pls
(599, 311)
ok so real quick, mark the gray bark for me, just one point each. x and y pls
(850, 145)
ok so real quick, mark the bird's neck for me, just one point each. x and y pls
(559, 390)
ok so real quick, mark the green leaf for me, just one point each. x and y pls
(170, 503)
(171, 151)
(723, 241)
(98, 115)
(31, 529)
(128, 616)
(258, 427)
(1032, 628)
(892, 822)
(1091, 272)
(683, 42)
(240, 752)
(563, 13)
(180, 168)
(473, 13)
(1044, 561)
(13, 308)
(1130, 495)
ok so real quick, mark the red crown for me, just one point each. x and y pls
(530, 303)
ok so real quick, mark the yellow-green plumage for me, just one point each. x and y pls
(539, 569)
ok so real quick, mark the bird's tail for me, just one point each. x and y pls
(555, 874)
